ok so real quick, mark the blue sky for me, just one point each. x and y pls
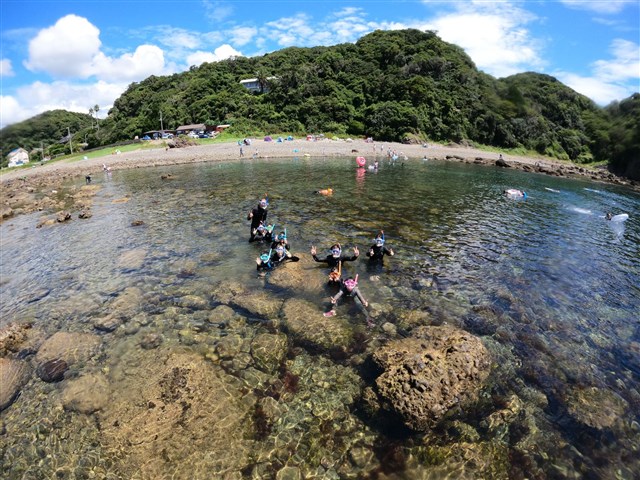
(76, 54)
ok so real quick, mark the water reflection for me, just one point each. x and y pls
(552, 290)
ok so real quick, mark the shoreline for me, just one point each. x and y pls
(19, 187)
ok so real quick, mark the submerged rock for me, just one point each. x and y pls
(86, 394)
(427, 374)
(596, 407)
(12, 336)
(269, 351)
(67, 347)
(13, 375)
(307, 325)
(52, 370)
(184, 406)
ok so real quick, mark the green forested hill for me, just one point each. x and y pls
(391, 85)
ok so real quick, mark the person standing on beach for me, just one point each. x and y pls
(258, 216)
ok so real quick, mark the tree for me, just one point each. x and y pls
(96, 109)
(91, 112)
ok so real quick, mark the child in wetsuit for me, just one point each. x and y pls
(281, 239)
(273, 258)
(377, 251)
(349, 289)
(335, 260)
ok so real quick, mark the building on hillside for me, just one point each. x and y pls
(196, 128)
(17, 157)
(253, 85)
(222, 128)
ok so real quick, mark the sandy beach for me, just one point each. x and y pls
(17, 194)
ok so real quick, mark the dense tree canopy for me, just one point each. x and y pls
(391, 85)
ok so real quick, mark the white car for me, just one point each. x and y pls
(193, 135)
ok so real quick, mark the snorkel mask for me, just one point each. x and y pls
(379, 241)
(280, 251)
(264, 203)
(336, 251)
(350, 283)
(264, 258)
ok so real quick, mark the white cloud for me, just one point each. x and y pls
(176, 37)
(11, 111)
(145, 61)
(242, 35)
(6, 69)
(597, 89)
(71, 49)
(66, 49)
(217, 11)
(221, 53)
(624, 65)
(598, 6)
(494, 35)
(612, 79)
(38, 97)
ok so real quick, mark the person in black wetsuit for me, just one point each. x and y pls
(263, 234)
(258, 216)
(377, 251)
(271, 259)
(281, 239)
(335, 260)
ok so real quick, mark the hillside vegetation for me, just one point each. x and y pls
(402, 85)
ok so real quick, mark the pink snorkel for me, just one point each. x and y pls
(350, 283)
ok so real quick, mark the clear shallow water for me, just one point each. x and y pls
(551, 287)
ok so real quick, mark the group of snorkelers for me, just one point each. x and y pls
(279, 253)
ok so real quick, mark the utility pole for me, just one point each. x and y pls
(161, 125)
(70, 144)
(41, 151)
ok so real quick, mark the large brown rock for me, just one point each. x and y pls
(427, 374)
(13, 375)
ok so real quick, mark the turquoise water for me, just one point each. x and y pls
(550, 286)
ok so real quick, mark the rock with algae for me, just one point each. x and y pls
(425, 375)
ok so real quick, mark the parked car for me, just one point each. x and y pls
(193, 135)
(146, 137)
(167, 135)
(203, 135)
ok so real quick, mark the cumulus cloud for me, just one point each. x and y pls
(66, 49)
(71, 49)
(494, 35)
(6, 69)
(598, 6)
(221, 53)
(145, 61)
